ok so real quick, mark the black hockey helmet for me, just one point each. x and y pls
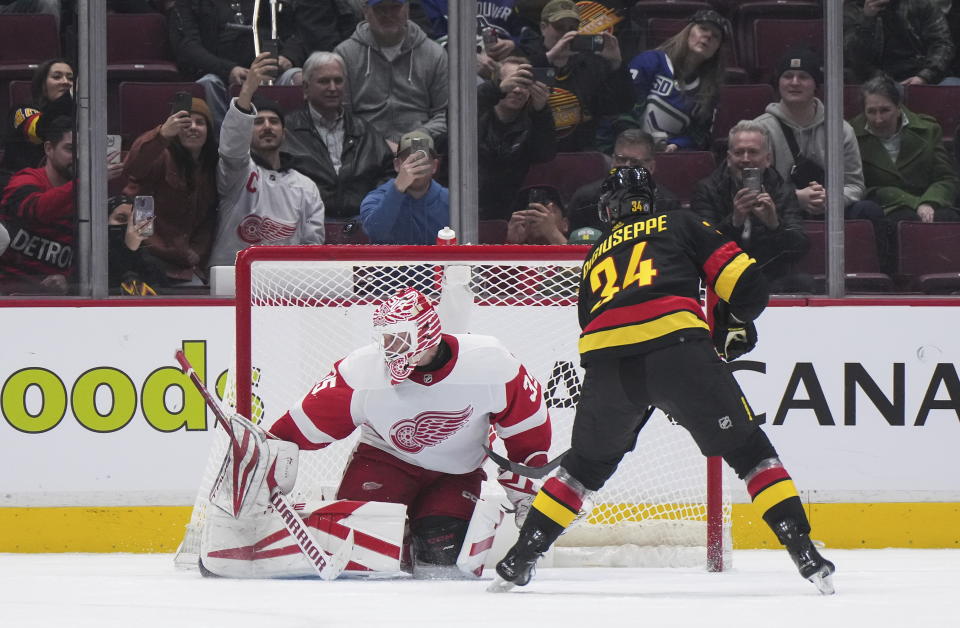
(627, 191)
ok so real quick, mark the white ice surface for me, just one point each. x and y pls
(876, 589)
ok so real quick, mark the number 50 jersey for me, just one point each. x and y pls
(640, 285)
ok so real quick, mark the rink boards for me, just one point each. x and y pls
(103, 442)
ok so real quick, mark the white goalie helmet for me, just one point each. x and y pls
(404, 327)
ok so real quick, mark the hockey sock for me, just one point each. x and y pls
(775, 496)
(556, 506)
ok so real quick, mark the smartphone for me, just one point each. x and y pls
(586, 43)
(539, 195)
(752, 179)
(182, 101)
(489, 36)
(547, 76)
(419, 144)
(142, 210)
(273, 47)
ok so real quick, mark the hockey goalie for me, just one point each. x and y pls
(426, 403)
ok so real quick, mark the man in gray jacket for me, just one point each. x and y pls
(397, 76)
(798, 131)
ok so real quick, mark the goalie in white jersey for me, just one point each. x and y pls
(425, 403)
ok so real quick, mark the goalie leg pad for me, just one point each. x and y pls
(487, 517)
(260, 546)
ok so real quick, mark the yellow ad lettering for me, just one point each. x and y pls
(193, 413)
(53, 405)
(123, 403)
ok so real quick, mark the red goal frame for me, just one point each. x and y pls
(456, 253)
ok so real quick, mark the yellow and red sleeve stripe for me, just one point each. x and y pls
(770, 487)
(558, 502)
(634, 324)
(724, 267)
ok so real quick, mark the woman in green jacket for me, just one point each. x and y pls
(906, 168)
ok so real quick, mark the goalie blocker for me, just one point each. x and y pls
(245, 538)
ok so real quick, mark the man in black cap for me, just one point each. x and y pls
(262, 199)
(798, 134)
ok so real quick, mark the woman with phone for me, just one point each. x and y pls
(677, 85)
(176, 163)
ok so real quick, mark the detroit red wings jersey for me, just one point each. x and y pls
(437, 420)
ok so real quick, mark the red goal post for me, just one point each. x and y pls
(299, 308)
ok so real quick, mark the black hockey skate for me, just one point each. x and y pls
(517, 567)
(808, 560)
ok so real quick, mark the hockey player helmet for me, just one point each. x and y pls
(627, 191)
(405, 326)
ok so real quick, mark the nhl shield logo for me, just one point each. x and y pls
(725, 423)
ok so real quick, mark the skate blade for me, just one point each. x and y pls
(499, 585)
(823, 580)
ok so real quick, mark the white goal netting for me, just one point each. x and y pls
(301, 308)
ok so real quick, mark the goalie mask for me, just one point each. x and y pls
(626, 192)
(404, 326)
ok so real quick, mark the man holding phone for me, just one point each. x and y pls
(262, 199)
(542, 220)
(591, 78)
(750, 203)
(411, 208)
(514, 131)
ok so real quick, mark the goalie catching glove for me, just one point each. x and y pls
(731, 336)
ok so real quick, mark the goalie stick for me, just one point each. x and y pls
(521, 469)
(327, 566)
(537, 473)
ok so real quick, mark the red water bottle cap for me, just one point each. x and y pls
(446, 236)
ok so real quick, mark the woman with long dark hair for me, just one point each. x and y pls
(677, 85)
(176, 164)
(52, 82)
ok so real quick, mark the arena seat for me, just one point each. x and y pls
(739, 102)
(680, 171)
(746, 13)
(928, 256)
(20, 93)
(861, 261)
(940, 101)
(568, 171)
(772, 38)
(492, 231)
(138, 48)
(145, 105)
(27, 41)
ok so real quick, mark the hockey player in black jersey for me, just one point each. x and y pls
(644, 342)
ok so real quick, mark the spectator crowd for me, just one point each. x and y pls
(338, 128)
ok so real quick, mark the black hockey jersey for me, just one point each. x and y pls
(640, 286)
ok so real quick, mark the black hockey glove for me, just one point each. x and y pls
(732, 337)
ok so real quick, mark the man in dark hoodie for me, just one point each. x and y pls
(398, 77)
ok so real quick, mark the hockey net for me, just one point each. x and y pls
(301, 308)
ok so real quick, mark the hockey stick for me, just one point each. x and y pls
(538, 472)
(327, 566)
(521, 469)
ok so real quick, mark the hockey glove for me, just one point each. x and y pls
(731, 336)
(520, 491)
